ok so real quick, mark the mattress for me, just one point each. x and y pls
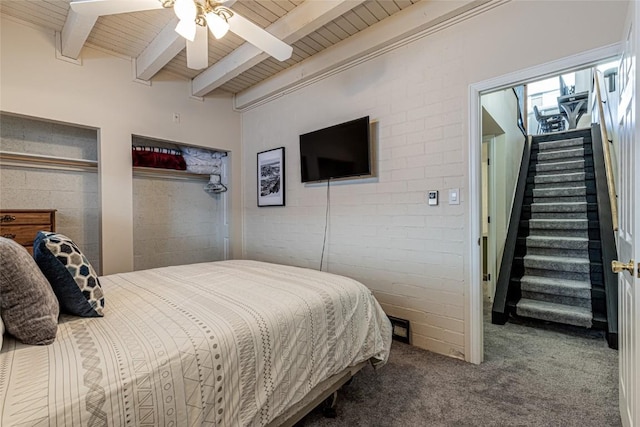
(229, 343)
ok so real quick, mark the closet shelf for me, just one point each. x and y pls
(46, 162)
(63, 163)
(168, 173)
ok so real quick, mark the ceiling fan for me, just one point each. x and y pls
(194, 17)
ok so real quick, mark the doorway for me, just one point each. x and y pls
(558, 342)
(474, 344)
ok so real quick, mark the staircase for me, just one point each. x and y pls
(553, 267)
(556, 284)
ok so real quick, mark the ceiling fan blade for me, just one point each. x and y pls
(259, 37)
(187, 29)
(198, 49)
(112, 7)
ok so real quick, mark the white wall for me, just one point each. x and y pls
(73, 194)
(175, 222)
(102, 94)
(485, 187)
(610, 119)
(383, 233)
(502, 107)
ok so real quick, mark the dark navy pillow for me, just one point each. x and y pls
(73, 279)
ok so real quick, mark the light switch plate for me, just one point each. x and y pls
(454, 196)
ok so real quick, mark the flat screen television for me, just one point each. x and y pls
(339, 151)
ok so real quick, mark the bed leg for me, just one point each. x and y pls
(329, 406)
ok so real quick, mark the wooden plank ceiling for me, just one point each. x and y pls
(131, 33)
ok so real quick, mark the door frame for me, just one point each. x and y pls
(473, 324)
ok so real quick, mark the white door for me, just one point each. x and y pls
(629, 230)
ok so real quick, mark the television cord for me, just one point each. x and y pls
(326, 224)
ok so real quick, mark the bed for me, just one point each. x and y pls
(228, 343)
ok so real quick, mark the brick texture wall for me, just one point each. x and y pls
(175, 222)
(382, 233)
(413, 256)
(74, 194)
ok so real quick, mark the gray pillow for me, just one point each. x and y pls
(28, 305)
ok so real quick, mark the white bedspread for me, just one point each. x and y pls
(229, 343)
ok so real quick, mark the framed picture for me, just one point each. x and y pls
(271, 177)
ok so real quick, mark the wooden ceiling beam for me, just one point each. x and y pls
(75, 32)
(162, 49)
(301, 21)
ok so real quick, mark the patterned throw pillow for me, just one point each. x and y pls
(72, 277)
(28, 307)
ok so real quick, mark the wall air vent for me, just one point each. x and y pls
(401, 329)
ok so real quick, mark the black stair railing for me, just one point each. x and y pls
(608, 244)
(499, 312)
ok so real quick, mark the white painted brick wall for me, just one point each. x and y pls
(24, 135)
(175, 222)
(383, 233)
(73, 194)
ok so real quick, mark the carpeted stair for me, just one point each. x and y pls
(556, 285)
(560, 237)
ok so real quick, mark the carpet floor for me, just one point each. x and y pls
(535, 374)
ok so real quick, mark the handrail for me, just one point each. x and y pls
(607, 240)
(611, 185)
(499, 314)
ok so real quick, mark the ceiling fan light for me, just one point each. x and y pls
(187, 29)
(185, 10)
(217, 24)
